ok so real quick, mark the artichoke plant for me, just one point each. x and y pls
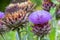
(16, 14)
(40, 19)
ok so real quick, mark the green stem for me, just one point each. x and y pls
(3, 36)
(40, 38)
(18, 35)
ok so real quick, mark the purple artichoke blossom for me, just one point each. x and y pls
(1, 15)
(40, 17)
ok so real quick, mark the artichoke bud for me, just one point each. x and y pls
(17, 14)
(47, 4)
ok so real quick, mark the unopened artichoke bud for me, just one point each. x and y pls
(58, 12)
(17, 14)
(26, 6)
(47, 4)
(41, 30)
(40, 19)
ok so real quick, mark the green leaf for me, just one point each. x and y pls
(37, 2)
(10, 35)
(52, 11)
(52, 34)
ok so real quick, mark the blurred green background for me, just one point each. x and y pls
(3, 4)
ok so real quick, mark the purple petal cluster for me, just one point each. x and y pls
(40, 17)
(1, 15)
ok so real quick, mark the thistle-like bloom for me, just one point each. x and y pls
(17, 14)
(40, 17)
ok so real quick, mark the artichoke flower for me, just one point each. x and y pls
(40, 19)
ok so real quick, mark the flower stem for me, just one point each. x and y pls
(40, 38)
(18, 35)
(3, 36)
